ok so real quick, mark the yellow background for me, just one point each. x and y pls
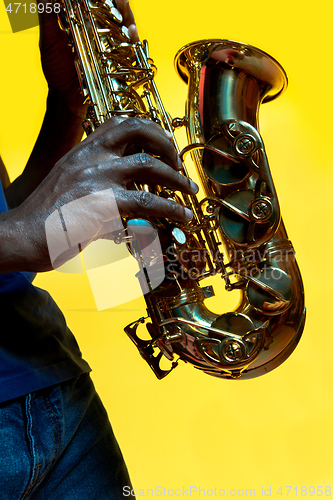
(192, 429)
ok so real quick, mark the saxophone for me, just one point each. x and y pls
(236, 232)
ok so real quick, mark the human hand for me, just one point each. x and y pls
(90, 184)
(128, 19)
(58, 59)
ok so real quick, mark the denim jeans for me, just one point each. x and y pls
(58, 444)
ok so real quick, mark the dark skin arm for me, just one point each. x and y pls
(61, 130)
(108, 161)
(102, 163)
(62, 126)
(4, 175)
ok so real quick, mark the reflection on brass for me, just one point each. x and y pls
(237, 230)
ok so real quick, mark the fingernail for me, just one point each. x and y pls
(180, 163)
(188, 214)
(194, 186)
(133, 32)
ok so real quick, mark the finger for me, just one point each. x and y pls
(125, 10)
(141, 203)
(128, 19)
(134, 135)
(133, 33)
(144, 168)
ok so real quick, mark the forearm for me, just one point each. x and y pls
(4, 177)
(16, 248)
(60, 132)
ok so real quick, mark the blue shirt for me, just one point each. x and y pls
(37, 349)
